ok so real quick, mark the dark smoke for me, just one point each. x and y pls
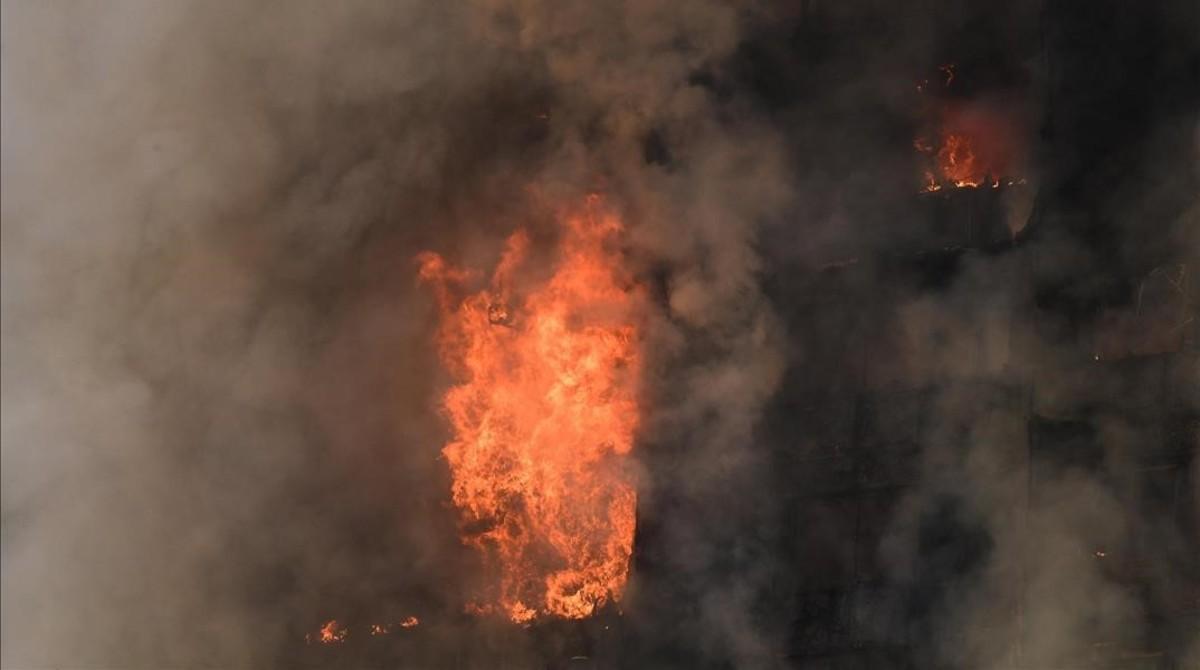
(869, 443)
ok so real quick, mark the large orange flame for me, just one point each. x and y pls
(543, 418)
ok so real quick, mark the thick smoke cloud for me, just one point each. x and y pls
(219, 420)
(185, 187)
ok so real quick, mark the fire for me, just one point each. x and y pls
(386, 628)
(543, 415)
(330, 633)
(931, 183)
(957, 162)
(966, 144)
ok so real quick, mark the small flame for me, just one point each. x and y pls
(334, 633)
(330, 633)
(931, 183)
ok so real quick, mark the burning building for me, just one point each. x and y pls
(601, 335)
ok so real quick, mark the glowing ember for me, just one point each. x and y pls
(543, 418)
(410, 622)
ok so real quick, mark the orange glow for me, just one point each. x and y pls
(543, 416)
(410, 622)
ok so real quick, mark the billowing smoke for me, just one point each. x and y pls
(219, 419)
